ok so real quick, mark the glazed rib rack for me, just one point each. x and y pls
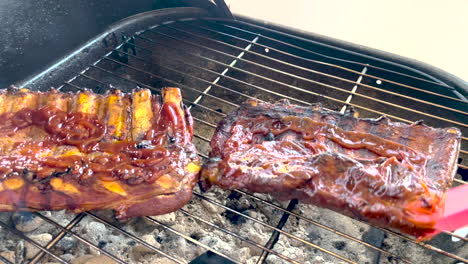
(219, 64)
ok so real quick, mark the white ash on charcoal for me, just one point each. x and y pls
(68, 257)
(162, 261)
(140, 251)
(41, 239)
(20, 252)
(9, 241)
(160, 236)
(26, 222)
(212, 208)
(93, 259)
(212, 237)
(105, 237)
(285, 248)
(350, 249)
(322, 238)
(31, 226)
(167, 219)
(67, 243)
(69, 248)
(8, 255)
(409, 250)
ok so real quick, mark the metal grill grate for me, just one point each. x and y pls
(218, 65)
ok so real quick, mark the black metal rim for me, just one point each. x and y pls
(73, 62)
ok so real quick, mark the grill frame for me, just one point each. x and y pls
(78, 63)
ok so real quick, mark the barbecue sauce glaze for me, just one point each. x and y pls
(90, 172)
(367, 169)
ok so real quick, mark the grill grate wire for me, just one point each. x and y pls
(202, 30)
(296, 66)
(310, 92)
(328, 64)
(326, 85)
(275, 37)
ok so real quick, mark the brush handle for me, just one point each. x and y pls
(456, 209)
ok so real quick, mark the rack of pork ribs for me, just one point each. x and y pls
(391, 174)
(133, 153)
(85, 151)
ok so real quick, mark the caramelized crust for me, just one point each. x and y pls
(84, 151)
(390, 174)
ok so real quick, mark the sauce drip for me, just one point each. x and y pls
(311, 129)
(369, 169)
(128, 161)
(315, 136)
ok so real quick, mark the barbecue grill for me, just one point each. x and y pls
(219, 62)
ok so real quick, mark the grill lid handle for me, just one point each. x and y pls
(224, 9)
